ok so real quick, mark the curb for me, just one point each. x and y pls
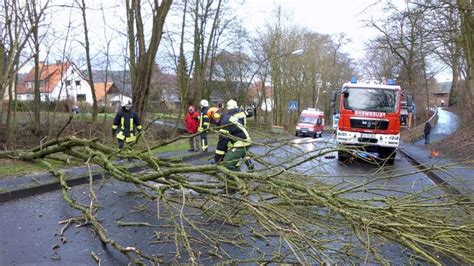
(18, 187)
(438, 180)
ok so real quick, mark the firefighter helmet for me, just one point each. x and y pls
(213, 113)
(231, 104)
(126, 103)
(204, 103)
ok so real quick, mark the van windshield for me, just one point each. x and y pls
(309, 120)
(381, 100)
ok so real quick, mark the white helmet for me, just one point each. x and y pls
(126, 103)
(204, 103)
(231, 104)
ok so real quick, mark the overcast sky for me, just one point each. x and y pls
(328, 17)
(323, 16)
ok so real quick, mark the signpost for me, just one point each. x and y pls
(293, 105)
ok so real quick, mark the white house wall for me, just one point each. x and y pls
(63, 92)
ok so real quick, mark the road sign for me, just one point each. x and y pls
(293, 105)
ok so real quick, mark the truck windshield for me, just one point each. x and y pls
(308, 120)
(380, 100)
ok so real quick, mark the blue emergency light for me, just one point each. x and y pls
(390, 82)
(353, 80)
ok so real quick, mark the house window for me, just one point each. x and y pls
(78, 83)
(81, 97)
(68, 82)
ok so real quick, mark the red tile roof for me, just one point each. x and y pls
(101, 89)
(50, 76)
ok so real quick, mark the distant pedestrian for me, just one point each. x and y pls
(427, 132)
(126, 126)
(442, 103)
(191, 122)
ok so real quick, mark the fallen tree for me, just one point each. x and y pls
(299, 220)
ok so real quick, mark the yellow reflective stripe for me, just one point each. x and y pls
(240, 115)
(219, 152)
(139, 127)
(223, 131)
(131, 124)
(120, 135)
(114, 126)
(240, 143)
(131, 138)
(122, 122)
(234, 120)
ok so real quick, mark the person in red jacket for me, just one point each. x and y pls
(191, 122)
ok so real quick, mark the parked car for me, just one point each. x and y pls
(310, 123)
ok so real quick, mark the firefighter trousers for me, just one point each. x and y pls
(233, 157)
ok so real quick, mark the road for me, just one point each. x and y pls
(30, 229)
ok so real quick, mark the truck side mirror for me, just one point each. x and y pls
(333, 98)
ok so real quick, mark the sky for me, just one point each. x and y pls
(330, 17)
(322, 16)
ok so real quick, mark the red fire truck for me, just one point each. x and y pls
(369, 118)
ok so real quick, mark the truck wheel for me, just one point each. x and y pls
(387, 154)
(342, 156)
(315, 135)
(391, 158)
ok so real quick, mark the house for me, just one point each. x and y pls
(60, 81)
(109, 95)
(440, 94)
(261, 96)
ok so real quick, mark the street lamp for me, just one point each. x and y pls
(297, 52)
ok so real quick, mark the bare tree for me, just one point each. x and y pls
(141, 65)
(15, 33)
(467, 33)
(35, 16)
(86, 44)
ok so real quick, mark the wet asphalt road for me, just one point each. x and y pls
(447, 124)
(30, 228)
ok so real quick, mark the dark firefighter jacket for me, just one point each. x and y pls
(126, 125)
(203, 120)
(234, 132)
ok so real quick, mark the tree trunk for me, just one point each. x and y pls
(467, 33)
(37, 100)
(90, 80)
(34, 20)
(145, 63)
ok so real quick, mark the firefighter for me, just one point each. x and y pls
(126, 125)
(214, 115)
(235, 133)
(203, 123)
